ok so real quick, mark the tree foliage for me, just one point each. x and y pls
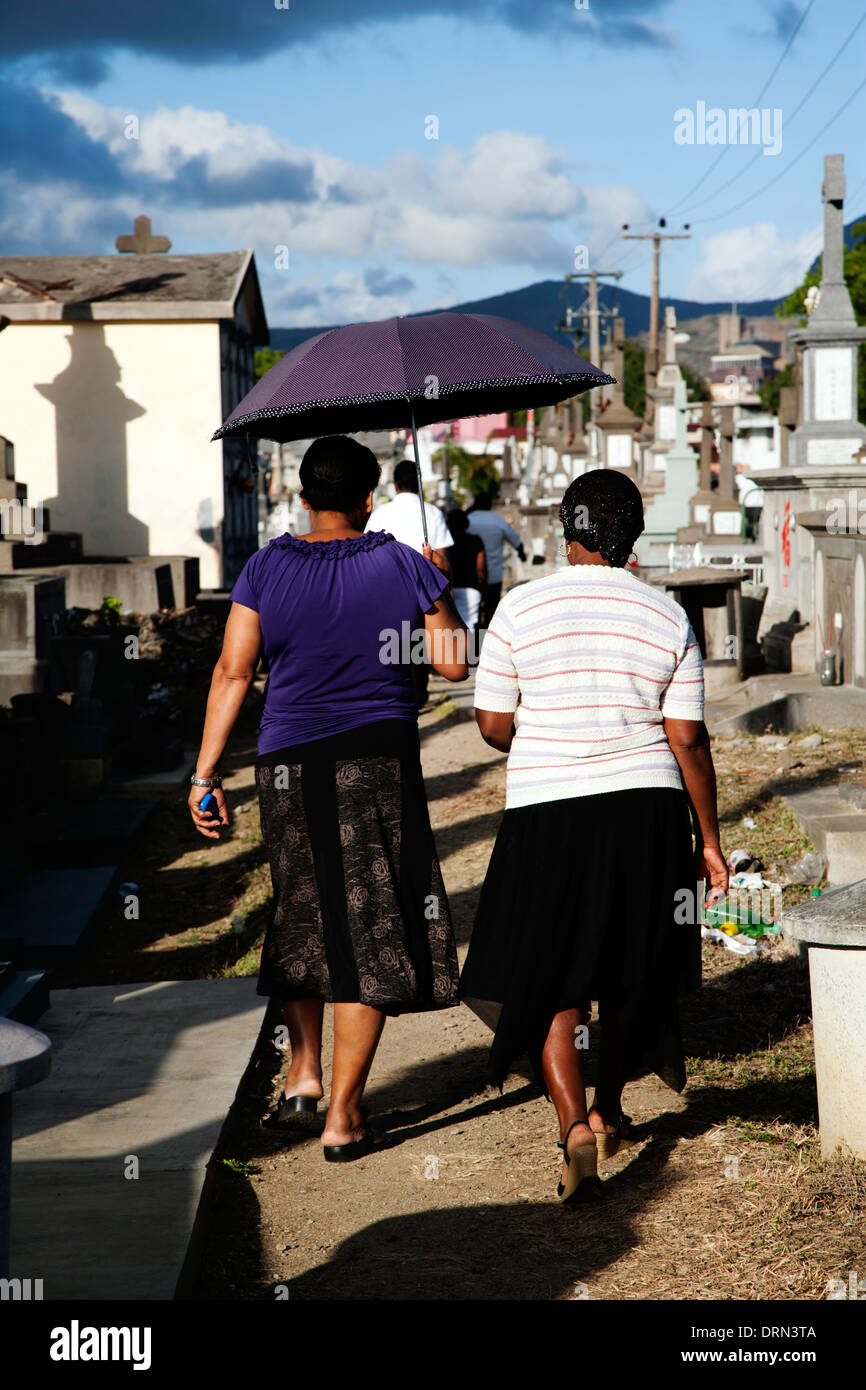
(473, 473)
(265, 359)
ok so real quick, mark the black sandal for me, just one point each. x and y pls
(581, 1184)
(370, 1142)
(290, 1111)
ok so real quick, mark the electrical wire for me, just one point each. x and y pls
(717, 161)
(788, 119)
(714, 217)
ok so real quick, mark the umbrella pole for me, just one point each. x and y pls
(418, 471)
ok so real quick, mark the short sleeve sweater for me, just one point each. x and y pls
(326, 610)
(591, 659)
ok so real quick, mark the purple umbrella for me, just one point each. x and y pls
(409, 371)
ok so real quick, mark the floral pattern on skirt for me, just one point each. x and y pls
(360, 909)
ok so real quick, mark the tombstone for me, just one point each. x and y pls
(25, 1059)
(833, 927)
(660, 399)
(726, 514)
(829, 432)
(702, 502)
(616, 424)
(670, 510)
(815, 564)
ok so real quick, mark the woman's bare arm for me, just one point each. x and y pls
(496, 728)
(446, 632)
(690, 745)
(481, 564)
(232, 677)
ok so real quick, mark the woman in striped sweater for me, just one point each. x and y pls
(592, 682)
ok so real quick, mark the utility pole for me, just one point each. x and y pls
(593, 314)
(656, 238)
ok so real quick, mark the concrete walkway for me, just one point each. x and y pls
(109, 1153)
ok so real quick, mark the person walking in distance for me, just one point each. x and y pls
(402, 518)
(494, 531)
(468, 568)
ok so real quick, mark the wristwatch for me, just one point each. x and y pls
(206, 781)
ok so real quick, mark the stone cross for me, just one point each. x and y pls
(142, 243)
(833, 194)
(619, 358)
(670, 333)
(727, 484)
(707, 441)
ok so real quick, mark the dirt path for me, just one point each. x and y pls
(727, 1198)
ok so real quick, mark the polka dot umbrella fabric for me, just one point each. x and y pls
(367, 376)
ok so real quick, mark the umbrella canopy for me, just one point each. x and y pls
(402, 371)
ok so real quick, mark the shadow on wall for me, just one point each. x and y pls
(91, 416)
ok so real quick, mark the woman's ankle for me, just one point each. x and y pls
(303, 1080)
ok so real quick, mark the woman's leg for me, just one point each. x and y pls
(357, 1030)
(562, 1066)
(304, 1022)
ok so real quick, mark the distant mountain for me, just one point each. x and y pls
(543, 305)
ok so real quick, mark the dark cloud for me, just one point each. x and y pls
(378, 282)
(39, 141)
(274, 180)
(214, 31)
(80, 68)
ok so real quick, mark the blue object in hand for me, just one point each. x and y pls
(210, 806)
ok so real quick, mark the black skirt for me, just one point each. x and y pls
(579, 903)
(360, 910)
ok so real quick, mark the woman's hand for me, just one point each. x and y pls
(712, 868)
(436, 559)
(208, 825)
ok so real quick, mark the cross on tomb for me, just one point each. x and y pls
(142, 243)
(833, 195)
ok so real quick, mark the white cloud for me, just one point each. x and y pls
(511, 198)
(754, 262)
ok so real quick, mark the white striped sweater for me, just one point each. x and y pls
(591, 659)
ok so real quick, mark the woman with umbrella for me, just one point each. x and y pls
(361, 918)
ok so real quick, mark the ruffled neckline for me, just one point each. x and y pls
(337, 549)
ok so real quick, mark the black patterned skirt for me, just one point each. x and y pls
(360, 910)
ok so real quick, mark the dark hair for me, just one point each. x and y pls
(338, 473)
(603, 510)
(406, 476)
(457, 520)
(483, 501)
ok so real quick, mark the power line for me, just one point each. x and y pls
(759, 153)
(714, 217)
(717, 161)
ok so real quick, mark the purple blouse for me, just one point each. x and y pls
(326, 609)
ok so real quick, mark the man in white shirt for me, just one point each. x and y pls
(494, 530)
(402, 518)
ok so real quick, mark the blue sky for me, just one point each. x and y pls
(306, 128)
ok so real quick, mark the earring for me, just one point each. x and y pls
(563, 549)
